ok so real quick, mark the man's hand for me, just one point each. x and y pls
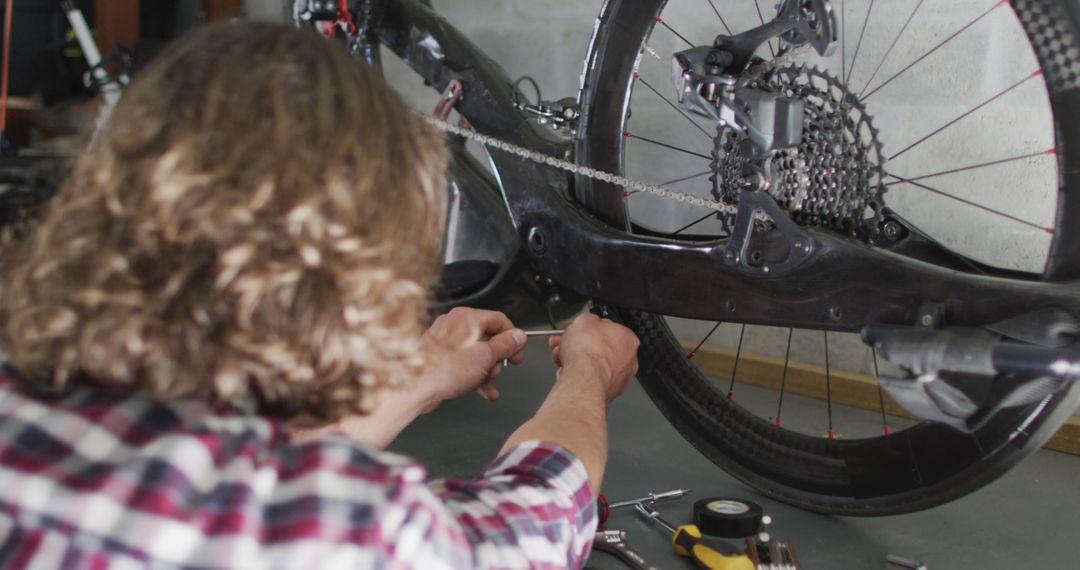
(465, 349)
(596, 358)
(599, 348)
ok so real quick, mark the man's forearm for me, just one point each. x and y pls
(574, 415)
(395, 410)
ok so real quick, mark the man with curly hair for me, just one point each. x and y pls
(219, 323)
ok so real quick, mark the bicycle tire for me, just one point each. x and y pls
(912, 469)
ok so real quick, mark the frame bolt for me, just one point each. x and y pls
(892, 230)
(801, 246)
(537, 241)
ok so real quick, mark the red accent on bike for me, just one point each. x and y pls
(1049, 230)
(690, 356)
(777, 422)
(1037, 73)
(1002, 3)
(659, 19)
(1052, 151)
(627, 134)
(888, 430)
(637, 75)
(832, 435)
(344, 21)
(449, 99)
(730, 394)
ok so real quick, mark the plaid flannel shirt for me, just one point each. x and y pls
(100, 480)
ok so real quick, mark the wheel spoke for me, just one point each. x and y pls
(932, 50)
(661, 21)
(672, 105)
(783, 379)
(880, 395)
(976, 166)
(628, 134)
(974, 204)
(843, 40)
(862, 32)
(828, 386)
(693, 223)
(691, 354)
(685, 178)
(761, 19)
(721, 18)
(967, 113)
(891, 46)
(735, 367)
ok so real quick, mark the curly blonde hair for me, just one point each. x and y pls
(261, 216)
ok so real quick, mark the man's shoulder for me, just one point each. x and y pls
(352, 464)
(153, 470)
(124, 423)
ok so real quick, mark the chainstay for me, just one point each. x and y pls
(566, 165)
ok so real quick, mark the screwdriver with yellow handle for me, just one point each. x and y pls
(690, 543)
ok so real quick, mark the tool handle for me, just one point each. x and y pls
(689, 542)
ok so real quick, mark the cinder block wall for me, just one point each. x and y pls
(547, 39)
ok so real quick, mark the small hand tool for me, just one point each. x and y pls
(767, 552)
(689, 542)
(905, 562)
(550, 332)
(652, 498)
(614, 542)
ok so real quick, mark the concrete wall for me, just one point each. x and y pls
(546, 39)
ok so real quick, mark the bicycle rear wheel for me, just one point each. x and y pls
(925, 464)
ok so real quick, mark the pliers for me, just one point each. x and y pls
(614, 542)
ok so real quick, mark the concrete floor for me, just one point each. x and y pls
(1024, 519)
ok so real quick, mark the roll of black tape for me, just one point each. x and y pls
(727, 517)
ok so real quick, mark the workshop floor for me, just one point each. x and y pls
(1026, 519)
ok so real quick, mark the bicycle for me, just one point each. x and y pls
(789, 226)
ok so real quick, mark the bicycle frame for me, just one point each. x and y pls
(841, 285)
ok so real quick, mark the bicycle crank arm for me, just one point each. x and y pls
(970, 351)
(963, 376)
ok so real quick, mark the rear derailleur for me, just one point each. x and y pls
(726, 83)
(723, 81)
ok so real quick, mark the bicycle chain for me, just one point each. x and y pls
(602, 176)
(792, 193)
